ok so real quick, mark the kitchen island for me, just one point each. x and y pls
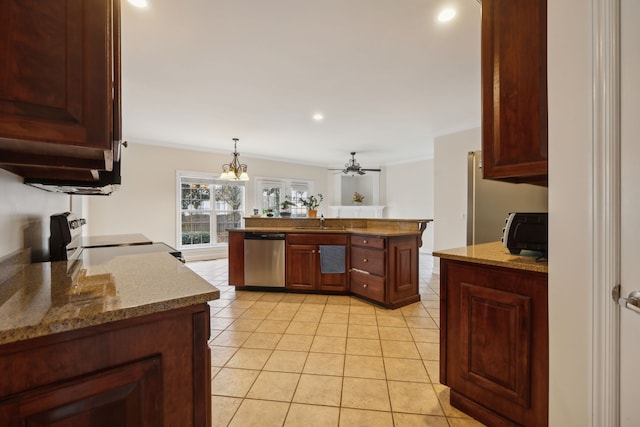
(118, 340)
(377, 258)
(494, 333)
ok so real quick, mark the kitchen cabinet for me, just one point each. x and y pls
(494, 345)
(236, 258)
(303, 265)
(385, 269)
(150, 370)
(60, 88)
(514, 90)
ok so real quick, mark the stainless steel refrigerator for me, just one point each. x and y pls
(490, 202)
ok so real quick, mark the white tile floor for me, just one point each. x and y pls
(286, 359)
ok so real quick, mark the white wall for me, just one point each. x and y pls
(146, 201)
(570, 211)
(24, 216)
(409, 194)
(450, 192)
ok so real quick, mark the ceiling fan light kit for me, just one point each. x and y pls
(353, 168)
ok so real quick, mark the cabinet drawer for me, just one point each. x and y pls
(367, 285)
(369, 241)
(371, 260)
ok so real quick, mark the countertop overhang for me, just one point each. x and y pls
(370, 226)
(45, 298)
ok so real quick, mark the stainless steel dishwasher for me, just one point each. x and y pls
(264, 259)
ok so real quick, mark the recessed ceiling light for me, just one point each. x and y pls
(447, 14)
(139, 3)
(318, 117)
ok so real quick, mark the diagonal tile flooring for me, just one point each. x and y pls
(286, 359)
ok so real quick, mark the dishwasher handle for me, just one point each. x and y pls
(263, 236)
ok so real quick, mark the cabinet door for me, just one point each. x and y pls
(332, 282)
(236, 258)
(496, 342)
(402, 280)
(302, 267)
(58, 85)
(514, 90)
(129, 395)
(332, 273)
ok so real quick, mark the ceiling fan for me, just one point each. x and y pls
(353, 167)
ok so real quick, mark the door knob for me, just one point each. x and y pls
(632, 302)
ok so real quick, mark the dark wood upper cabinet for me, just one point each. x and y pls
(59, 87)
(514, 90)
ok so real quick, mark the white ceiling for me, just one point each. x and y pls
(385, 74)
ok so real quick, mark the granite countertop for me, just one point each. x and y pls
(497, 255)
(305, 230)
(45, 298)
(370, 226)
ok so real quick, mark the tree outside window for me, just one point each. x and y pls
(271, 192)
(229, 199)
(196, 214)
(201, 201)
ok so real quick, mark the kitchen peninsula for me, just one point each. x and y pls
(104, 340)
(373, 258)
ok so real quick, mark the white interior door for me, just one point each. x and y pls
(630, 211)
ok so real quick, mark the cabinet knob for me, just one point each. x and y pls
(365, 241)
(365, 260)
(364, 285)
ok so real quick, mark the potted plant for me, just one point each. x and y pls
(312, 203)
(285, 207)
(358, 198)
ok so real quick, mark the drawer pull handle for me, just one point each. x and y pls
(365, 241)
(364, 285)
(365, 260)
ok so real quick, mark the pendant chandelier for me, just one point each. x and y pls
(234, 171)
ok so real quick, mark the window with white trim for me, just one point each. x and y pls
(207, 209)
(272, 192)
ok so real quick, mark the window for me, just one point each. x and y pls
(271, 192)
(208, 208)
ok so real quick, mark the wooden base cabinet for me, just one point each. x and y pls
(494, 345)
(303, 268)
(236, 258)
(148, 371)
(385, 269)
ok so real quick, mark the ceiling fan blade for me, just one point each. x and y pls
(370, 170)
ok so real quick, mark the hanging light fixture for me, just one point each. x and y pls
(234, 171)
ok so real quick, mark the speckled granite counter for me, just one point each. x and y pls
(371, 226)
(497, 255)
(46, 298)
(369, 231)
